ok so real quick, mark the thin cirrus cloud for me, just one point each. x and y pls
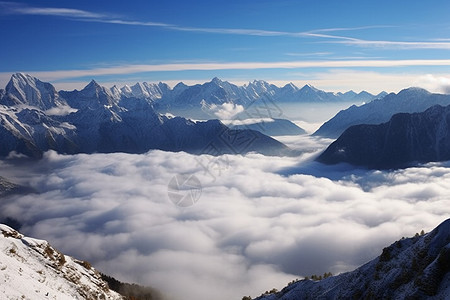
(142, 68)
(12, 8)
(396, 44)
(87, 16)
(77, 14)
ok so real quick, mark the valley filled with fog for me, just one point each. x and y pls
(254, 222)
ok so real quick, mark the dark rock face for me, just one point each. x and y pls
(406, 139)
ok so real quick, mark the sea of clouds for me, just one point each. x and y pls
(257, 223)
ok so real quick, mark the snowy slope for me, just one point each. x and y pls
(413, 268)
(32, 269)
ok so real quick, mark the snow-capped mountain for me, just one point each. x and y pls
(92, 96)
(406, 139)
(33, 269)
(214, 92)
(149, 91)
(98, 121)
(409, 100)
(412, 268)
(27, 90)
(218, 92)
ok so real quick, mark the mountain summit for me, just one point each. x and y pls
(28, 90)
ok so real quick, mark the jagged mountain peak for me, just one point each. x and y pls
(309, 87)
(26, 89)
(364, 93)
(94, 89)
(290, 86)
(258, 82)
(216, 80)
(18, 82)
(381, 94)
(92, 85)
(180, 86)
(23, 77)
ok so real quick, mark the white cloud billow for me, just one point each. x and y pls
(254, 228)
(225, 111)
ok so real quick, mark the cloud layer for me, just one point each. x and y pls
(254, 227)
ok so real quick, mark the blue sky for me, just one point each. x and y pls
(334, 45)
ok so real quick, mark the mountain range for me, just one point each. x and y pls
(34, 118)
(404, 140)
(218, 92)
(411, 268)
(380, 110)
(183, 96)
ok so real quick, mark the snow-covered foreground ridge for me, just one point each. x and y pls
(412, 268)
(32, 269)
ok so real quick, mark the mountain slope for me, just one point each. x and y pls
(413, 268)
(405, 139)
(32, 269)
(381, 110)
